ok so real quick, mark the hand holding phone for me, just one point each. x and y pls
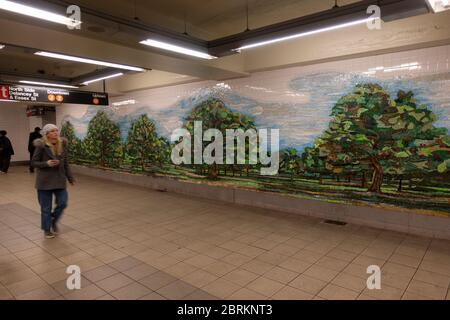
(53, 163)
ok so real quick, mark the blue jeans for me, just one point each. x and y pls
(45, 198)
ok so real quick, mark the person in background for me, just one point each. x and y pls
(33, 136)
(51, 159)
(6, 151)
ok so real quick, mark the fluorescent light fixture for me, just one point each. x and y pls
(304, 34)
(2, 46)
(38, 13)
(88, 61)
(439, 5)
(6, 100)
(123, 103)
(103, 78)
(48, 84)
(177, 49)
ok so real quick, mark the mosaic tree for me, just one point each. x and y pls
(215, 115)
(73, 142)
(103, 142)
(143, 144)
(291, 162)
(371, 129)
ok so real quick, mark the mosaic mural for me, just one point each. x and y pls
(372, 131)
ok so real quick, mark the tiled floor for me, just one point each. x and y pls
(134, 243)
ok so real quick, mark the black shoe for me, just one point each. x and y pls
(49, 235)
(55, 228)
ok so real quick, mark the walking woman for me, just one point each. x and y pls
(51, 159)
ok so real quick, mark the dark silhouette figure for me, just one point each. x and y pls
(36, 134)
(6, 151)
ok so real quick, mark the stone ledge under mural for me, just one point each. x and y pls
(401, 220)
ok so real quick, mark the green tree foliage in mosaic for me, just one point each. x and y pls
(291, 162)
(143, 145)
(74, 143)
(369, 129)
(215, 115)
(103, 143)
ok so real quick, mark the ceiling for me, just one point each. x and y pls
(111, 36)
(209, 19)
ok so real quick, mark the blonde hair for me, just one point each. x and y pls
(56, 148)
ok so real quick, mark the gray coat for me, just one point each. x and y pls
(51, 178)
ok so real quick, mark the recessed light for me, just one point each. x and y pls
(177, 49)
(103, 78)
(88, 61)
(38, 13)
(304, 34)
(47, 84)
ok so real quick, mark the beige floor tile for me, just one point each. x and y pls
(342, 254)
(176, 290)
(140, 271)
(321, 273)
(265, 286)
(11, 277)
(106, 297)
(247, 294)
(90, 292)
(348, 281)
(185, 236)
(183, 254)
(289, 293)
(236, 259)
(219, 268)
(295, 265)
(308, 256)
(5, 294)
(42, 293)
(200, 295)
(385, 293)
(180, 269)
(272, 258)
(257, 266)
(240, 277)
(414, 296)
(125, 263)
(332, 263)
(200, 261)
(55, 275)
(131, 291)
(61, 286)
(334, 292)
(427, 289)
(153, 296)
(432, 278)
(25, 286)
(221, 288)
(281, 275)
(308, 284)
(100, 273)
(405, 260)
(157, 280)
(199, 278)
(114, 282)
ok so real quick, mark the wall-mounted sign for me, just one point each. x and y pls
(45, 95)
